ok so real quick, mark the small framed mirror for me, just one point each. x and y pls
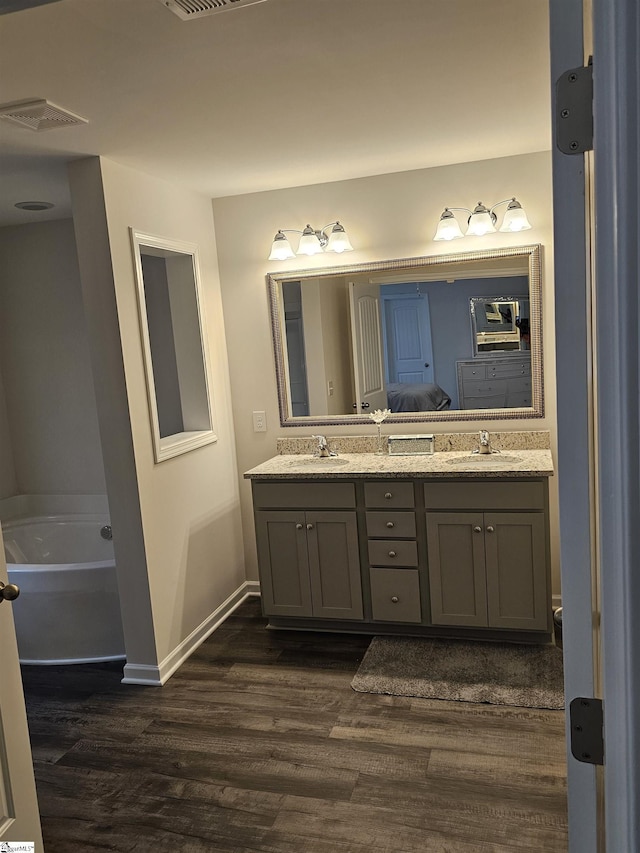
(173, 339)
(500, 325)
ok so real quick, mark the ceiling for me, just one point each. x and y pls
(283, 93)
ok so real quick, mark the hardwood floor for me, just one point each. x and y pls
(258, 743)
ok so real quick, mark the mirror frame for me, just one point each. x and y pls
(536, 410)
(180, 442)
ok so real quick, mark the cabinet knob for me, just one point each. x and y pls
(490, 529)
(392, 553)
(394, 599)
(390, 524)
(309, 526)
(388, 495)
(477, 529)
(299, 526)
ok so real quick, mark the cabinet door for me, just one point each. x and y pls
(516, 562)
(284, 564)
(457, 578)
(334, 565)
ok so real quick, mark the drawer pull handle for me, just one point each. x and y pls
(394, 599)
(309, 526)
(299, 526)
(392, 553)
(388, 495)
(477, 529)
(390, 524)
(490, 529)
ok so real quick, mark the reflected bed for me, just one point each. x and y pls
(419, 397)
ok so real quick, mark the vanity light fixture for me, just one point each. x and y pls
(482, 220)
(312, 242)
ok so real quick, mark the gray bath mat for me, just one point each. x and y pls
(528, 676)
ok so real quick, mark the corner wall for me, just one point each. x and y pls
(387, 216)
(8, 485)
(178, 534)
(44, 357)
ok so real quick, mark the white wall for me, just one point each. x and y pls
(44, 358)
(179, 538)
(386, 216)
(8, 485)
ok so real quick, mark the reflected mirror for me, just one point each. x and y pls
(500, 324)
(431, 338)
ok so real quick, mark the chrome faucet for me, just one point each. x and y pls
(485, 444)
(323, 447)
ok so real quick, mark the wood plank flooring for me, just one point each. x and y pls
(259, 744)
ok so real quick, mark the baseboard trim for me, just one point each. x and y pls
(556, 601)
(156, 676)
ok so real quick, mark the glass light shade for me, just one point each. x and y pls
(515, 219)
(481, 222)
(338, 240)
(281, 248)
(309, 243)
(448, 227)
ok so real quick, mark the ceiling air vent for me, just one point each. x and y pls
(189, 10)
(39, 115)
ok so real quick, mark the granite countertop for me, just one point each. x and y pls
(510, 463)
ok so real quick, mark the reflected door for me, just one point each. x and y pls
(366, 341)
(296, 358)
(409, 350)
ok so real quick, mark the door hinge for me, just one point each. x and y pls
(587, 735)
(574, 110)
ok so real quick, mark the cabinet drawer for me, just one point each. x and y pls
(484, 387)
(395, 595)
(518, 401)
(392, 552)
(389, 494)
(519, 386)
(496, 495)
(400, 524)
(488, 402)
(469, 372)
(508, 369)
(303, 495)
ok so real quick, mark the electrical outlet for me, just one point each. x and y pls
(259, 422)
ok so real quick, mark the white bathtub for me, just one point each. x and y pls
(68, 610)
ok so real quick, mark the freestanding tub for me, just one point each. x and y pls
(68, 610)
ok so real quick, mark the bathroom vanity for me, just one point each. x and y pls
(450, 544)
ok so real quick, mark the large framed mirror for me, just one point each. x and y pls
(437, 338)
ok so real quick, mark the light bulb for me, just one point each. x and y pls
(481, 222)
(448, 227)
(338, 240)
(309, 242)
(281, 248)
(515, 219)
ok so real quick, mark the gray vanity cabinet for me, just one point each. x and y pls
(309, 558)
(430, 556)
(392, 551)
(488, 569)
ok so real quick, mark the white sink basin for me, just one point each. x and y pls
(319, 461)
(484, 460)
